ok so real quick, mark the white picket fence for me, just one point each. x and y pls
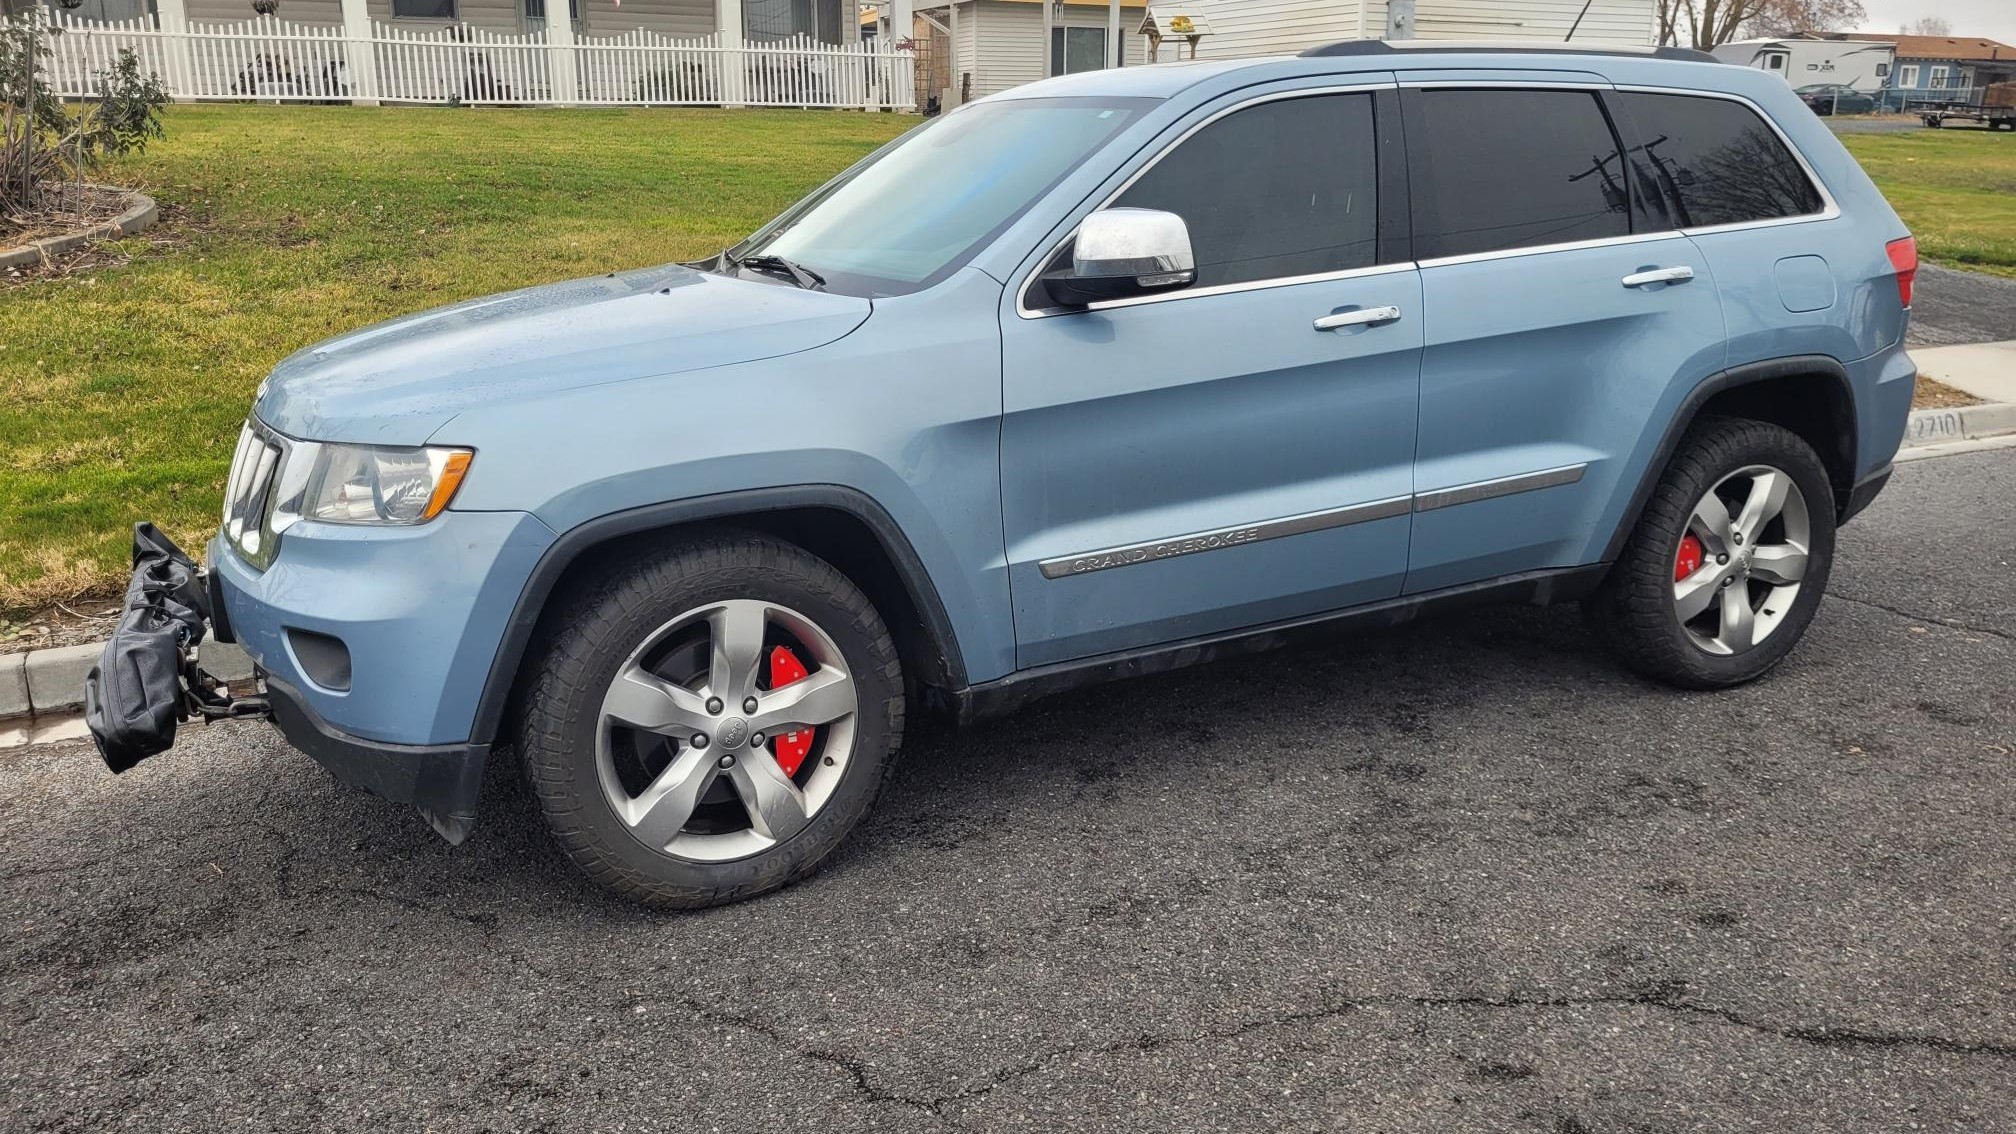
(269, 59)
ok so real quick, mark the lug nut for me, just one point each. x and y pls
(1721, 559)
(726, 761)
(749, 704)
(1728, 580)
(1737, 537)
(756, 741)
(714, 706)
(699, 740)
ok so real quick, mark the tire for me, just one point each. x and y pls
(1640, 610)
(671, 622)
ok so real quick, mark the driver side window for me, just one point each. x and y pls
(1281, 189)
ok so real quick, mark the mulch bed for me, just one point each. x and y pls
(65, 208)
(1934, 395)
(174, 229)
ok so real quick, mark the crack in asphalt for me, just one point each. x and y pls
(1948, 623)
(863, 1082)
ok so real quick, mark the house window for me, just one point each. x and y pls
(120, 10)
(536, 10)
(1907, 76)
(767, 21)
(1938, 81)
(423, 9)
(1077, 49)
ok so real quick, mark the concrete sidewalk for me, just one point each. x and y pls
(1985, 370)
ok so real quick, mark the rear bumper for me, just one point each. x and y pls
(442, 780)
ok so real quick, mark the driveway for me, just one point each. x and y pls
(1464, 877)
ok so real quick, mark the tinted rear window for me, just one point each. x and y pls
(1495, 169)
(1718, 162)
(1280, 189)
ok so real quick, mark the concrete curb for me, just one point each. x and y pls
(140, 215)
(1961, 423)
(42, 682)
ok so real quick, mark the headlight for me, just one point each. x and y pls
(371, 484)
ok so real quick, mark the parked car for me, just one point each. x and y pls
(1832, 98)
(1105, 375)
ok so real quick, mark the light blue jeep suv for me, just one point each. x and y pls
(1104, 375)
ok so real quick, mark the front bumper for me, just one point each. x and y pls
(417, 614)
(442, 780)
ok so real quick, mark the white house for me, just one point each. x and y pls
(827, 21)
(971, 48)
(1271, 27)
(613, 52)
(1864, 65)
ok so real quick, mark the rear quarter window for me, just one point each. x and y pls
(1717, 162)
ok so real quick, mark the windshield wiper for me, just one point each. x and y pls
(771, 262)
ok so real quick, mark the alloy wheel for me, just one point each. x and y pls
(1740, 563)
(726, 731)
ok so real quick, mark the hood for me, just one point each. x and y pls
(398, 382)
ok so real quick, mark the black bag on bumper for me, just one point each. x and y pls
(133, 697)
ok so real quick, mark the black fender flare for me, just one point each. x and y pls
(726, 506)
(1748, 374)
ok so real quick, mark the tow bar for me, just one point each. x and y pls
(147, 680)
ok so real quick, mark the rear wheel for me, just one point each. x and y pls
(1728, 562)
(710, 721)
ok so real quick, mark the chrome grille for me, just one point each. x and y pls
(248, 494)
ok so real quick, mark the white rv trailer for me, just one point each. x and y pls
(1860, 64)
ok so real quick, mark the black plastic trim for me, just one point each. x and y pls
(723, 506)
(994, 698)
(1676, 427)
(1350, 47)
(220, 619)
(1865, 491)
(442, 780)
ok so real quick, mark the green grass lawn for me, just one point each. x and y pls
(1955, 187)
(121, 390)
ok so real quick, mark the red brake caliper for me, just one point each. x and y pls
(1690, 557)
(793, 747)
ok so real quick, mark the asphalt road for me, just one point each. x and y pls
(1949, 306)
(1467, 876)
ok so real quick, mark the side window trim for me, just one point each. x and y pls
(1383, 122)
(1829, 209)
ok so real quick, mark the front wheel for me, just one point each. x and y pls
(1728, 562)
(710, 720)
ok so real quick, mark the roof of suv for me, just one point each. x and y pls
(1162, 80)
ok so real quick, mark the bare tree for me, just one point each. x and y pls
(1795, 17)
(1704, 24)
(1930, 25)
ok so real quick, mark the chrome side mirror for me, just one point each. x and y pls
(1125, 252)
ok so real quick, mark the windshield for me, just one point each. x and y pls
(913, 212)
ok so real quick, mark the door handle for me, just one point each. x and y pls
(1359, 318)
(1659, 275)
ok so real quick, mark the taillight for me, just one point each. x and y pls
(1904, 258)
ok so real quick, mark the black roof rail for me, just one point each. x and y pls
(1508, 47)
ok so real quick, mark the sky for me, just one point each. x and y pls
(1986, 19)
